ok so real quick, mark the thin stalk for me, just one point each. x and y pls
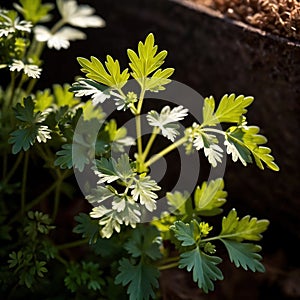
(214, 130)
(39, 198)
(56, 199)
(150, 143)
(14, 168)
(24, 182)
(4, 168)
(72, 244)
(168, 260)
(168, 149)
(139, 126)
(169, 266)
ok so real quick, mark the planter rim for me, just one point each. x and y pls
(218, 15)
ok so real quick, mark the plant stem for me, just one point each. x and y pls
(168, 149)
(14, 168)
(150, 142)
(169, 266)
(214, 130)
(56, 198)
(139, 130)
(72, 244)
(24, 182)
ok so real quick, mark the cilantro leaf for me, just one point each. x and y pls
(63, 96)
(141, 279)
(144, 241)
(247, 141)
(210, 197)
(88, 87)
(204, 267)
(34, 10)
(188, 234)
(147, 61)
(244, 255)
(166, 120)
(230, 109)
(245, 229)
(143, 190)
(87, 227)
(111, 77)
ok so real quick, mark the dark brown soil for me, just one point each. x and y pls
(280, 17)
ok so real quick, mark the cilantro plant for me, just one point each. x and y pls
(48, 134)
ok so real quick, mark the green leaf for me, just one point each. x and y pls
(230, 109)
(204, 267)
(34, 10)
(144, 241)
(210, 197)
(143, 190)
(181, 203)
(245, 229)
(31, 128)
(84, 275)
(24, 138)
(87, 227)
(111, 77)
(43, 100)
(157, 81)
(90, 111)
(72, 155)
(141, 279)
(147, 61)
(188, 234)
(247, 141)
(63, 96)
(244, 255)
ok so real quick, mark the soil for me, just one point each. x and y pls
(280, 17)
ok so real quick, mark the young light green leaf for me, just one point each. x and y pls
(180, 203)
(147, 61)
(141, 279)
(34, 10)
(63, 96)
(158, 80)
(204, 267)
(231, 108)
(111, 77)
(247, 140)
(245, 229)
(210, 197)
(244, 255)
(43, 100)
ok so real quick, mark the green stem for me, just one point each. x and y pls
(42, 196)
(60, 259)
(14, 167)
(56, 199)
(150, 142)
(214, 130)
(168, 149)
(169, 266)
(72, 244)
(4, 170)
(168, 260)
(139, 130)
(24, 182)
